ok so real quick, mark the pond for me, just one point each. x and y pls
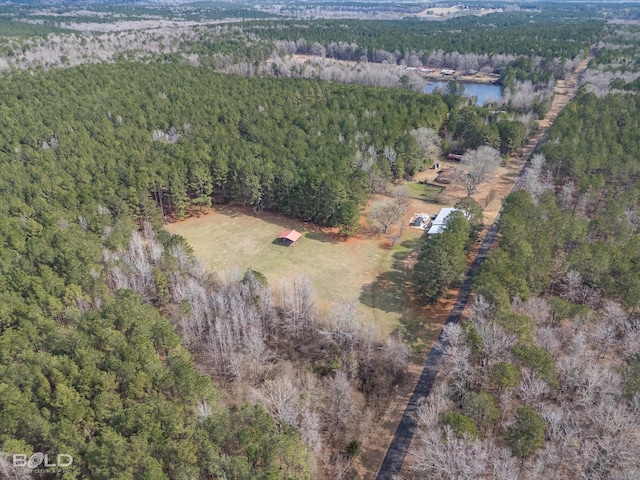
(484, 92)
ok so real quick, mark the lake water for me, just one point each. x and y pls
(483, 91)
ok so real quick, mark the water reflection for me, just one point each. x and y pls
(484, 92)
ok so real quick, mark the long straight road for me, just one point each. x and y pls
(394, 459)
(407, 427)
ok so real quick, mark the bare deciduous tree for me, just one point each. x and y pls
(390, 155)
(565, 197)
(397, 355)
(537, 308)
(571, 284)
(341, 407)
(402, 196)
(461, 371)
(343, 329)
(280, 396)
(444, 455)
(386, 213)
(536, 180)
(532, 389)
(481, 308)
(296, 303)
(547, 338)
(496, 341)
(428, 142)
(480, 165)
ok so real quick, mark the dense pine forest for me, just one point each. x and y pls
(560, 34)
(118, 133)
(589, 228)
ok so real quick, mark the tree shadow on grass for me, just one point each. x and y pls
(229, 211)
(417, 331)
(410, 245)
(392, 291)
(427, 192)
(324, 237)
(386, 293)
(389, 291)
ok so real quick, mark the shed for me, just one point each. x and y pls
(420, 220)
(289, 236)
(447, 176)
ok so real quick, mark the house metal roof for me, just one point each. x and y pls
(439, 223)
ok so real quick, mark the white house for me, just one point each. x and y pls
(439, 222)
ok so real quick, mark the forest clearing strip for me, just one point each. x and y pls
(407, 426)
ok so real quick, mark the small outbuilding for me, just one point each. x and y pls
(447, 175)
(420, 220)
(288, 237)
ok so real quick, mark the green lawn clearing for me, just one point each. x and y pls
(424, 191)
(340, 270)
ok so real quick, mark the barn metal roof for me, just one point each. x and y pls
(291, 235)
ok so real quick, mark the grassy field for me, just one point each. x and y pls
(356, 268)
(424, 191)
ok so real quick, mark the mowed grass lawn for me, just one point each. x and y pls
(424, 191)
(357, 268)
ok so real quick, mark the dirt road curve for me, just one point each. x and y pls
(394, 459)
